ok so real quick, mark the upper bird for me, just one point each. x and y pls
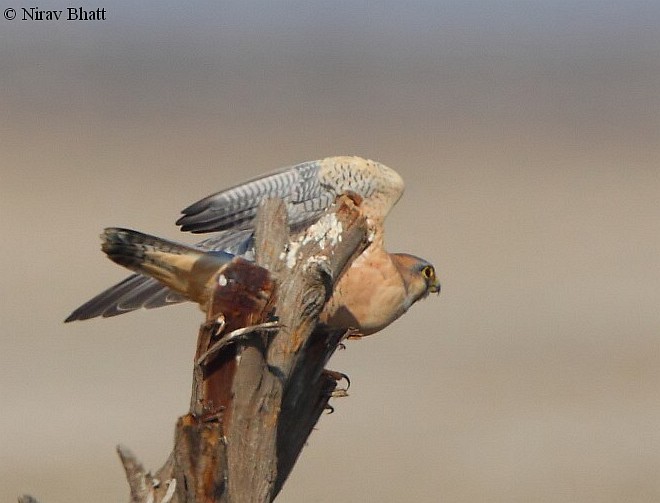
(377, 288)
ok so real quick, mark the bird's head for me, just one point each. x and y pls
(418, 275)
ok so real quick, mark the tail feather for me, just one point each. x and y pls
(156, 262)
(132, 249)
(172, 264)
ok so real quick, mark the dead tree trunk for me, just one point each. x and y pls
(259, 384)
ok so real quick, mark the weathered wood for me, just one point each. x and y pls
(258, 392)
(259, 384)
(262, 446)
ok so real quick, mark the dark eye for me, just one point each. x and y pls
(428, 272)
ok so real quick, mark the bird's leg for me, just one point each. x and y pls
(235, 336)
(353, 334)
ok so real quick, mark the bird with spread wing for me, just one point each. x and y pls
(377, 288)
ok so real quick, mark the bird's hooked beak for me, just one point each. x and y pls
(434, 286)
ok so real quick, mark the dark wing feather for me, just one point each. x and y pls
(235, 208)
(132, 293)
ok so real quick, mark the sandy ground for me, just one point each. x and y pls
(527, 133)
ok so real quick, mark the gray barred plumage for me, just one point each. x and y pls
(308, 189)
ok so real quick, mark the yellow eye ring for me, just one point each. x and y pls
(428, 272)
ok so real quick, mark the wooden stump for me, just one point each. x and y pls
(259, 385)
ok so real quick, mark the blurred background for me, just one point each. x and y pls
(527, 133)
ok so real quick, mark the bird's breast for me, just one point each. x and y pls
(368, 297)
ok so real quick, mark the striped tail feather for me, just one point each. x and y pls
(168, 273)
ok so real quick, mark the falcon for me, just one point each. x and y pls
(377, 288)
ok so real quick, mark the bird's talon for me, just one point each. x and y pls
(338, 376)
(339, 393)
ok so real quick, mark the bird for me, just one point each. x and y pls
(377, 288)
(193, 273)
